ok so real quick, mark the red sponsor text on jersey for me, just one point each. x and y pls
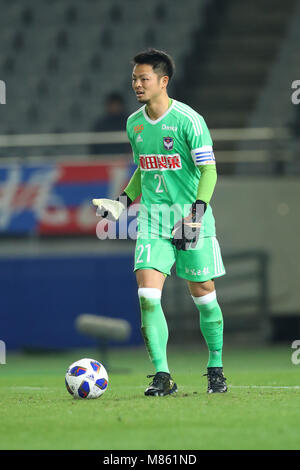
(160, 162)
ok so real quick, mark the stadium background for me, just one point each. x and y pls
(59, 61)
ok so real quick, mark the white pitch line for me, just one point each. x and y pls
(182, 388)
(29, 388)
(273, 387)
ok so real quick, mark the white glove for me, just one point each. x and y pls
(108, 208)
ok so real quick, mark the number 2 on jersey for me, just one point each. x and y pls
(161, 180)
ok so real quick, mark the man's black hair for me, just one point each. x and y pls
(161, 62)
(114, 96)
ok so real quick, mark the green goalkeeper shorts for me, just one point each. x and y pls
(198, 265)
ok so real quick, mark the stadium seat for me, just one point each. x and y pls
(64, 50)
(27, 16)
(71, 15)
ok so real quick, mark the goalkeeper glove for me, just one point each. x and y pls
(187, 230)
(112, 209)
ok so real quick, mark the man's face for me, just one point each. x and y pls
(146, 83)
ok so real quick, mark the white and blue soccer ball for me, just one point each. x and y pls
(86, 378)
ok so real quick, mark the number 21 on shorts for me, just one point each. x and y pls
(143, 251)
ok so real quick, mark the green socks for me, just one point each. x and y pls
(154, 327)
(211, 325)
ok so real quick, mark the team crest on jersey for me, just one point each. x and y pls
(168, 143)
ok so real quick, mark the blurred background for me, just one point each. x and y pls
(65, 71)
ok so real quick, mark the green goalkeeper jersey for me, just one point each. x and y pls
(169, 152)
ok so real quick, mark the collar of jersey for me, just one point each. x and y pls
(151, 121)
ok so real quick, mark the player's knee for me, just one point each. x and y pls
(201, 289)
(150, 278)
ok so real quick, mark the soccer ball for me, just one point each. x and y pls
(86, 378)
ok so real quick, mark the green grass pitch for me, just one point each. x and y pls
(260, 411)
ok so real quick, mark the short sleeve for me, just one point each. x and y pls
(199, 141)
(132, 143)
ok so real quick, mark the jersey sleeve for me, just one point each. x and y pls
(199, 141)
(133, 188)
(132, 142)
(207, 182)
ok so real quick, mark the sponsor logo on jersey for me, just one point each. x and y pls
(160, 162)
(139, 138)
(169, 128)
(137, 129)
(168, 143)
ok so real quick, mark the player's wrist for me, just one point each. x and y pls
(125, 200)
(198, 209)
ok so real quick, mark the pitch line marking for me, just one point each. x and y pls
(272, 387)
(21, 387)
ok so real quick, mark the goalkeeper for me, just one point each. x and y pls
(176, 176)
